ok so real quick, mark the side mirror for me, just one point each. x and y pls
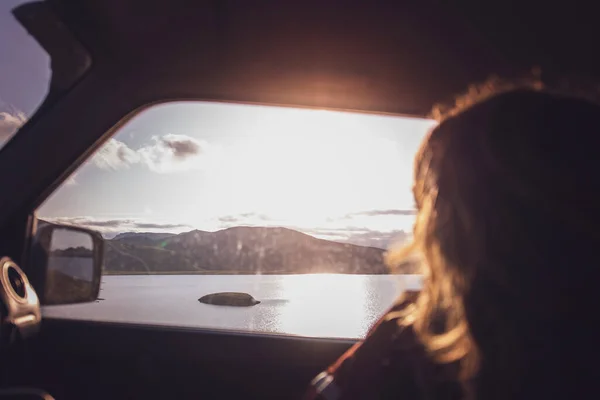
(66, 264)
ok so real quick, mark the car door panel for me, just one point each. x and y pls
(78, 359)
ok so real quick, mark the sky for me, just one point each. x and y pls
(63, 239)
(209, 166)
(24, 65)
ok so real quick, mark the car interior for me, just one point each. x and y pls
(112, 59)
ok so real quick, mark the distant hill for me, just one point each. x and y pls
(143, 236)
(239, 250)
(73, 252)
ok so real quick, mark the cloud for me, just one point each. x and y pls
(383, 240)
(150, 225)
(361, 236)
(168, 153)
(229, 219)
(117, 225)
(243, 218)
(182, 146)
(106, 224)
(171, 153)
(10, 124)
(377, 213)
(114, 155)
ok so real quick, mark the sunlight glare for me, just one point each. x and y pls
(335, 306)
(303, 171)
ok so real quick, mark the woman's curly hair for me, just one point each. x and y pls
(506, 198)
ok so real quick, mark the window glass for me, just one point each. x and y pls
(24, 72)
(290, 208)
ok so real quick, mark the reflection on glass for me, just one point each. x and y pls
(70, 264)
(324, 305)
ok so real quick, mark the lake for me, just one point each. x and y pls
(317, 305)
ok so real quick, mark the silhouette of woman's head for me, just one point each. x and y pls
(508, 195)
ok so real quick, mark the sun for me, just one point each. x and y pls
(307, 167)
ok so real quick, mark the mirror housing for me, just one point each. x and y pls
(66, 264)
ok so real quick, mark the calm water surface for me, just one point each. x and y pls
(321, 305)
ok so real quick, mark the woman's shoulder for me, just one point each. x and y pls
(389, 361)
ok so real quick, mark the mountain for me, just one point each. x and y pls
(239, 250)
(79, 251)
(142, 237)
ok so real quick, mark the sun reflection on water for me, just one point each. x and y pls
(324, 305)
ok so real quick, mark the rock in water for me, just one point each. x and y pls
(233, 299)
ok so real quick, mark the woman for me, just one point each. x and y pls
(508, 193)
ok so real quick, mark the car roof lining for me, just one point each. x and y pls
(369, 56)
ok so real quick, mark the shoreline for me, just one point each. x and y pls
(136, 273)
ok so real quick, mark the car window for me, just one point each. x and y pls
(292, 209)
(24, 72)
